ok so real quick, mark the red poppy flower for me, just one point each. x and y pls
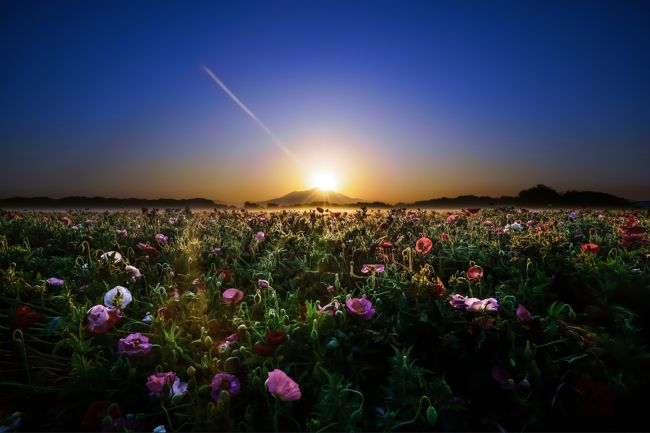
(444, 237)
(475, 272)
(24, 317)
(275, 337)
(264, 349)
(423, 245)
(590, 248)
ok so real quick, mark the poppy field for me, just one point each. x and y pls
(316, 320)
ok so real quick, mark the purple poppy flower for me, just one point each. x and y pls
(224, 382)
(161, 239)
(260, 235)
(372, 268)
(481, 305)
(53, 281)
(263, 284)
(282, 386)
(361, 307)
(215, 251)
(330, 308)
(121, 233)
(523, 314)
(458, 301)
(134, 344)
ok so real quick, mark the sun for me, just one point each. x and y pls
(324, 180)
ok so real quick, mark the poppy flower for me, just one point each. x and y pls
(224, 382)
(53, 281)
(474, 272)
(232, 296)
(476, 305)
(523, 314)
(282, 386)
(101, 318)
(444, 237)
(264, 349)
(386, 245)
(122, 233)
(260, 235)
(276, 337)
(157, 381)
(457, 301)
(118, 297)
(372, 268)
(330, 308)
(133, 272)
(134, 344)
(262, 284)
(161, 239)
(590, 248)
(146, 248)
(112, 255)
(24, 317)
(361, 307)
(453, 217)
(423, 245)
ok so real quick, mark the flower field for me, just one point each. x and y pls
(399, 320)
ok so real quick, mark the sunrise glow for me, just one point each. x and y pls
(325, 181)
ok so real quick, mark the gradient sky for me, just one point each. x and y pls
(404, 100)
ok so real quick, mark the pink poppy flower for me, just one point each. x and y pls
(157, 381)
(260, 235)
(282, 386)
(161, 239)
(423, 245)
(475, 272)
(232, 296)
(453, 217)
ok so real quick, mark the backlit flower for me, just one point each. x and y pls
(361, 307)
(458, 301)
(481, 305)
(224, 382)
(282, 386)
(118, 297)
(232, 296)
(423, 245)
(134, 344)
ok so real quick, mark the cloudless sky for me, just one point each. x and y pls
(402, 100)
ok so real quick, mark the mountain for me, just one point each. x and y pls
(312, 196)
(105, 203)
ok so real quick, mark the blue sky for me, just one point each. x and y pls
(404, 100)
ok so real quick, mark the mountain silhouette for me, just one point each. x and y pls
(312, 196)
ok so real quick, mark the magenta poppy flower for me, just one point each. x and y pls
(53, 281)
(487, 223)
(453, 217)
(232, 296)
(372, 268)
(282, 386)
(475, 272)
(224, 382)
(161, 239)
(330, 308)
(423, 245)
(523, 314)
(260, 235)
(134, 344)
(361, 307)
(263, 284)
(101, 318)
(157, 381)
